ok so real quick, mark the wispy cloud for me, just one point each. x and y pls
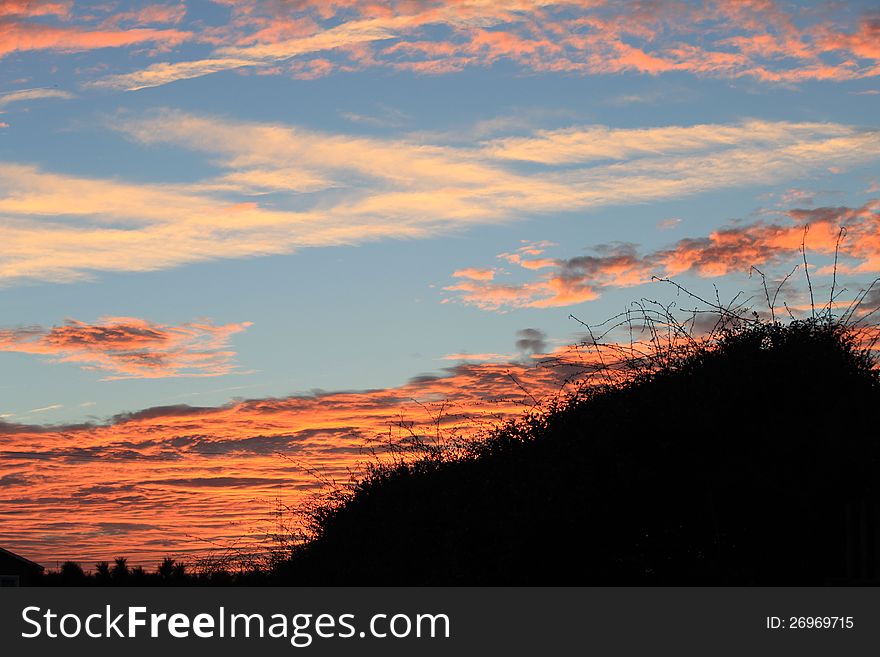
(490, 357)
(46, 409)
(761, 40)
(156, 14)
(129, 348)
(384, 117)
(233, 57)
(569, 281)
(31, 94)
(26, 36)
(61, 227)
(581, 144)
(34, 8)
(668, 224)
(211, 464)
(474, 274)
(36, 25)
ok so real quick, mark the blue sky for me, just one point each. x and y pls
(356, 312)
(239, 241)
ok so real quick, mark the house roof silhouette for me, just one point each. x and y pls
(7, 557)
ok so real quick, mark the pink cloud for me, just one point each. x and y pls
(33, 8)
(131, 348)
(214, 467)
(474, 274)
(57, 27)
(159, 14)
(735, 249)
(19, 37)
(761, 40)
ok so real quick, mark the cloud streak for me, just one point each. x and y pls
(17, 37)
(761, 40)
(23, 95)
(755, 39)
(334, 189)
(569, 281)
(130, 348)
(185, 478)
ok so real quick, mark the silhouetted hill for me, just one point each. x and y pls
(755, 460)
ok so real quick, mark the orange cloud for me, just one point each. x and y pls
(19, 37)
(63, 228)
(734, 249)
(158, 14)
(863, 43)
(183, 480)
(528, 262)
(131, 348)
(59, 28)
(32, 8)
(481, 358)
(724, 39)
(475, 274)
(186, 480)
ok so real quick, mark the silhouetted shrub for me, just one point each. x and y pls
(750, 458)
(72, 573)
(747, 455)
(102, 573)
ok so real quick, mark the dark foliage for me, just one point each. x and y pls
(751, 460)
(168, 573)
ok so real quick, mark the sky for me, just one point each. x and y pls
(243, 240)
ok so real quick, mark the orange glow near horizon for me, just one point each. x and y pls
(188, 481)
(197, 481)
(200, 200)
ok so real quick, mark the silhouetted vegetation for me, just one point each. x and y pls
(168, 573)
(753, 460)
(750, 455)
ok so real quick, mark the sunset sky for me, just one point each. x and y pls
(243, 237)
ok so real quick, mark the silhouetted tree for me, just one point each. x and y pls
(72, 573)
(138, 576)
(102, 573)
(166, 569)
(120, 571)
(751, 460)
